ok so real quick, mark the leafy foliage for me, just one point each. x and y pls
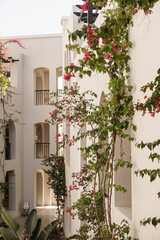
(56, 179)
(31, 229)
(105, 51)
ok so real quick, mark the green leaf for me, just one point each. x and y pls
(9, 220)
(154, 221)
(46, 234)
(31, 222)
(36, 230)
(74, 36)
(7, 235)
(42, 236)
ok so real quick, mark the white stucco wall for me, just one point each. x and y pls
(41, 51)
(144, 203)
(145, 55)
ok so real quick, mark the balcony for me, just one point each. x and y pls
(42, 150)
(41, 78)
(42, 97)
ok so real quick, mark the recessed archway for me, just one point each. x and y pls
(41, 76)
(42, 140)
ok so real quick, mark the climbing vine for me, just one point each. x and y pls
(8, 113)
(151, 105)
(106, 51)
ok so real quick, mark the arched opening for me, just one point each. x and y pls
(59, 80)
(123, 201)
(10, 192)
(102, 99)
(41, 86)
(44, 194)
(10, 141)
(39, 189)
(42, 140)
(101, 174)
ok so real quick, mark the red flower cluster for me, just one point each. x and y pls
(72, 65)
(68, 76)
(85, 7)
(87, 55)
(157, 102)
(115, 48)
(69, 211)
(108, 57)
(91, 37)
(16, 41)
(146, 13)
(73, 187)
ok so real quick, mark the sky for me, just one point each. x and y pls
(30, 17)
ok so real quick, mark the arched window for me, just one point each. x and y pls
(10, 193)
(41, 140)
(41, 86)
(10, 141)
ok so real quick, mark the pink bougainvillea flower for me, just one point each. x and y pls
(90, 31)
(70, 188)
(87, 55)
(16, 41)
(72, 65)
(90, 44)
(107, 39)
(108, 57)
(73, 175)
(148, 12)
(115, 48)
(85, 7)
(96, 39)
(158, 109)
(152, 114)
(104, 41)
(68, 76)
(156, 103)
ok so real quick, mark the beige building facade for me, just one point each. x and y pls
(141, 199)
(32, 139)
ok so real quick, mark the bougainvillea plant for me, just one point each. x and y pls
(105, 51)
(8, 113)
(78, 110)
